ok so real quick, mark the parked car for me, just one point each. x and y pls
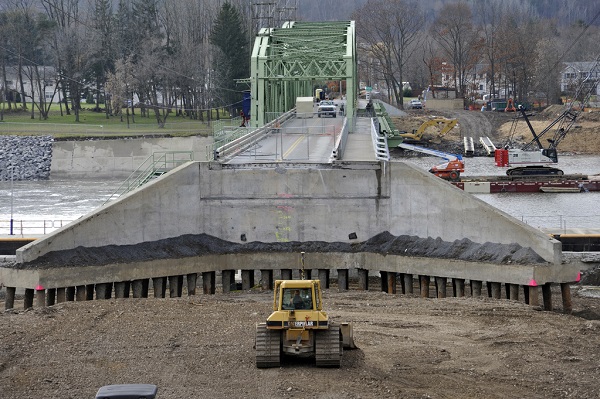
(415, 104)
(324, 110)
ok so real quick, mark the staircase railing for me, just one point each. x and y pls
(155, 165)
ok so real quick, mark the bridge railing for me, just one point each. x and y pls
(244, 138)
(340, 142)
(380, 145)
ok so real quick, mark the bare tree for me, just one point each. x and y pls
(454, 32)
(389, 30)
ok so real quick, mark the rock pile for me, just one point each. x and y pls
(25, 157)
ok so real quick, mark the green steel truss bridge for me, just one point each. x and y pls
(288, 62)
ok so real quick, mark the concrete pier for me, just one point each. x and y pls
(159, 285)
(266, 279)
(226, 277)
(408, 283)
(424, 284)
(363, 279)
(191, 280)
(343, 281)
(208, 283)
(441, 286)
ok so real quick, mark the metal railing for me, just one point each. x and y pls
(231, 143)
(380, 145)
(30, 227)
(155, 165)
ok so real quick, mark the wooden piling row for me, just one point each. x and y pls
(389, 283)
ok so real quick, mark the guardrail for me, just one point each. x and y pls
(340, 143)
(380, 145)
(30, 227)
(232, 145)
(155, 165)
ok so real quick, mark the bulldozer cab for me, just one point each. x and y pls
(297, 295)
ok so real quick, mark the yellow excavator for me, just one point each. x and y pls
(445, 125)
(298, 326)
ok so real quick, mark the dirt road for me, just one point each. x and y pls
(203, 347)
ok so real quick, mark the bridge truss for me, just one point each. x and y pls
(288, 62)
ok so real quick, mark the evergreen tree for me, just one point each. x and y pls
(232, 55)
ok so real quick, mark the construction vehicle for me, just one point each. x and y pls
(298, 326)
(416, 137)
(127, 391)
(526, 161)
(450, 170)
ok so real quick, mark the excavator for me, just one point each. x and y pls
(527, 161)
(450, 170)
(416, 136)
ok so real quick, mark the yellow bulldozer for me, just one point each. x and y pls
(298, 326)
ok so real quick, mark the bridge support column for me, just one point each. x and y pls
(226, 277)
(160, 286)
(496, 289)
(175, 286)
(383, 281)
(40, 298)
(308, 274)
(71, 294)
(459, 287)
(507, 290)
(80, 293)
(424, 284)
(102, 291)
(565, 290)
(89, 292)
(266, 279)
(391, 283)
(343, 284)
(50, 296)
(247, 275)
(286, 274)
(408, 283)
(208, 283)
(476, 288)
(547, 296)
(191, 280)
(441, 283)
(137, 286)
(324, 277)
(363, 279)
(514, 292)
(61, 295)
(9, 301)
(120, 289)
(28, 299)
(534, 299)
(489, 289)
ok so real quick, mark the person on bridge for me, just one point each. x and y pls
(243, 116)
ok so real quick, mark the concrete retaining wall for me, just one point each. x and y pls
(435, 103)
(115, 158)
(280, 203)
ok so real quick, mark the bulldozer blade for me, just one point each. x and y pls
(347, 331)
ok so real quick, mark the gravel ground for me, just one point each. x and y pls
(202, 346)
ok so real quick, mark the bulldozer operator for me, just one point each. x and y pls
(296, 302)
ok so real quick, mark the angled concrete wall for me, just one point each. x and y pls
(119, 157)
(280, 202)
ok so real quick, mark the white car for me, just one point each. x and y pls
(415, 104)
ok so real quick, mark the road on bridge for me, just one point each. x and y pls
(309, 139)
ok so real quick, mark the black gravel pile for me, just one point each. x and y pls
(202, 244)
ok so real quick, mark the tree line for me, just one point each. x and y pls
(519, 49)
(172, 56)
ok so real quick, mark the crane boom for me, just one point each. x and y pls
(450, 170)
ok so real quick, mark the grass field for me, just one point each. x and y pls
(96, 124)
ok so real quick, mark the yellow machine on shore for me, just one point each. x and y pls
(299, 326)
(444, 124)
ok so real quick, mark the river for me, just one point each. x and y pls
(38, 207)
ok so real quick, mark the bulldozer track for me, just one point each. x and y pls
(268, 347)
(328, 347)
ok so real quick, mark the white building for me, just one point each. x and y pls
(574, 73)
(44, 78)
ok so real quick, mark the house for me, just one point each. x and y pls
(45, 77)
(574, 73)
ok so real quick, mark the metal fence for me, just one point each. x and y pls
(23, 228)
